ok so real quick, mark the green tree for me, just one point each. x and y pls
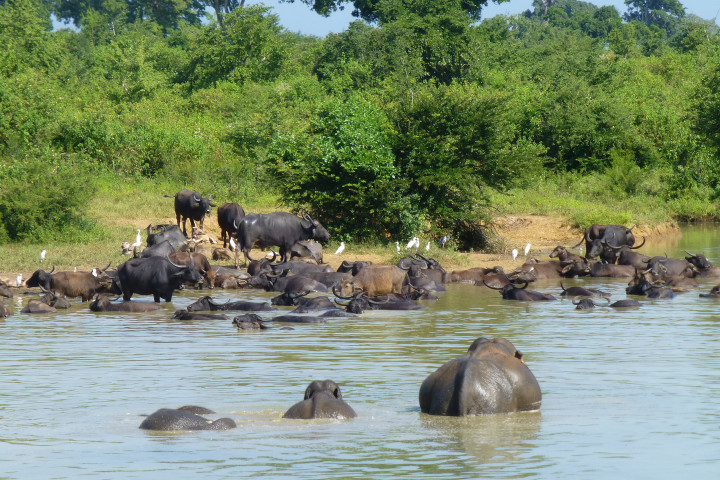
(343, 170)
(664, 14)
(384, 10)
(248, 47)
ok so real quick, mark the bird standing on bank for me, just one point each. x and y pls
(514, 253)
(340, 248)
(18, 281)
(527, 249)
(232, 244)
(427, 247)
(397, 246)
(42, 256)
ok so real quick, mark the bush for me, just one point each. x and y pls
(44, 198)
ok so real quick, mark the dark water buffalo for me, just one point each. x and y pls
(587, 303)
(491, 378)
(162, 249)
(664, 266)
(582, 292)
(207, 304)
(322, 400)
(191, 205)
(229, 217)
(513, 292)
(627, 257)
(353, 267)
(71, 284)
(298, 267)
(704, 267)
(627, 303)
(184, 418)
(103, 304)
(714, 293)
(183, 314)
(200, 261)
(360, 301)
(54, 300)
(601, 235)
(294, 287)
(249, 321)
(612, 253)
(279, 229)
(171, 233)
(308, 249)
(644, 284)
(155, 276)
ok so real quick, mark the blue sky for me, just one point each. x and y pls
(298, 17)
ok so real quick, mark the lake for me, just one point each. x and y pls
(627, 393)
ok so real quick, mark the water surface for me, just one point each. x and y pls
(626, 394)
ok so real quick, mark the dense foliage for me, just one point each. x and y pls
(404, 126)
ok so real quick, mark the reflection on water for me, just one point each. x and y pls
(627, 394)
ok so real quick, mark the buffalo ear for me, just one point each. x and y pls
(336, 393)
(518, 354)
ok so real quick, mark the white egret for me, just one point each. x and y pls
(443, 240)
(427, 247)
(233, 246)
(138, 240)
(527, 249)
(340, 248)
(18, 281)
(42, 256)
(514, 253)
(397, 246)
(410, 243)
(75, 269)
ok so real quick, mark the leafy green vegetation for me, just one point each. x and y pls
(425, 123)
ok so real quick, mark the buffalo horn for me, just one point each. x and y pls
(691, 254)
(334, 290)
(643, 243)
(175, 264)
(576, 299)
(377, 302)
(494, 288)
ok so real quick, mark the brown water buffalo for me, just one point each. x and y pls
(491, 378)
(377, 280)
(71, 284)
(200, 261)
(103, 303)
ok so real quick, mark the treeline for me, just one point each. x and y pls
(401, 124)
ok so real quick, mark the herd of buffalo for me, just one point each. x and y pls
(491, 378)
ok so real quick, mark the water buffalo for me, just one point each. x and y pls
(5, 311)
(377, 280)
(172, 233)
(307, 249)
(530, 272)
(191, 205)
(360, 301)
(616, 234)
(471, 275)
(322, 400)
(200, 261)
(704, 266)
(612, 253)
(586, 303)
(490, 378)
(664, 266)
(229, 217)
(36, 306)
(644, 284)
(582, 292)
(280, 229)
(626, 303)
(71, 284)
(714, 293)
(598, 269)
(207, 304)
(183, 314)
(156, 276)
(564, 255)
(161, 249)
(249, 321)
(184, 418)
(5, 290)
(513, 292)
(103, 303)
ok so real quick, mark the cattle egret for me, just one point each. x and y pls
(232, 244)
(397, 246)
(410, 243)
(427, 247)
(443, 240)
(18, 281)
(75, 269)
(514, 253)
(42, 256)
(138, 240)
(527, 249)
(340, 248)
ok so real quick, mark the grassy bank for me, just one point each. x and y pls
(118, 208)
